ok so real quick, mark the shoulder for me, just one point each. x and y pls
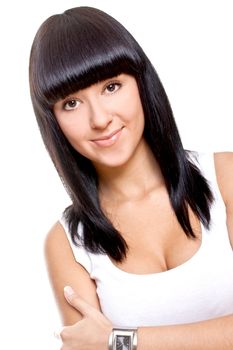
(224, 173)
(57, 247)
(56, 239)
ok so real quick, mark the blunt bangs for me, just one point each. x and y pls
(72, 51)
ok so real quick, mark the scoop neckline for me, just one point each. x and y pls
(192, 259)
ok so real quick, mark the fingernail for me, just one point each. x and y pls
(68, 291)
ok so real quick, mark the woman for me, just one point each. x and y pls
(144, 243)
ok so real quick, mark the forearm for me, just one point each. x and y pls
(213, 334)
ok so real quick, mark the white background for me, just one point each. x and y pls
(189, 43)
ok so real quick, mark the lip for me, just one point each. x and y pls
(108, 140)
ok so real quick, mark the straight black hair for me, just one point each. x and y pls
(72, 51)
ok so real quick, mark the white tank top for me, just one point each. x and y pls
(199, 289)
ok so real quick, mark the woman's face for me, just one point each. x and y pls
(105, 121)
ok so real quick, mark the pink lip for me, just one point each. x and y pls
(108, 140)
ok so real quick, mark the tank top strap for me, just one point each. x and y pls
(81, 255)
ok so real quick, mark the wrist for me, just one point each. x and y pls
(120, 337)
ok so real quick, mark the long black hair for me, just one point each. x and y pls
(78, 48)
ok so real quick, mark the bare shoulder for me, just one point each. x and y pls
(63, 269)
(224, 173)
(56, 243)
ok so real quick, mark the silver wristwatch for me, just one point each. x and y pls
(123, 339)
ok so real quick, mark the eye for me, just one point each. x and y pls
(112, 87)
(71, 104)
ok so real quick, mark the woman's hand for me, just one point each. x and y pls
(91, 333)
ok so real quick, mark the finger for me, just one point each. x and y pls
(77, 302)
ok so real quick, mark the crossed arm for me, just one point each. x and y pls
(94, 329)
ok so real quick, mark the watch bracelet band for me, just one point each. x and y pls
(126, 335)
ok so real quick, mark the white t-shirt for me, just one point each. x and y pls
(199, 289)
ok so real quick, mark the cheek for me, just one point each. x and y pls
(74, 132)
(136, 114)
(131, 104)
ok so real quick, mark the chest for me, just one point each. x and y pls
(200, 288)
(197, 290)
(153, 234)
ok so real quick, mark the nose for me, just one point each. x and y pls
(100, 116)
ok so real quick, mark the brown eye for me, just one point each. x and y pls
(112, 87)
(71, 104)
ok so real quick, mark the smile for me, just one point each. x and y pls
(108, 140)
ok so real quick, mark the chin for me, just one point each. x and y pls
(111, 163)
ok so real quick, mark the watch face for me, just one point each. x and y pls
(123, 342)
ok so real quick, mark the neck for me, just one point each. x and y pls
(132, 181)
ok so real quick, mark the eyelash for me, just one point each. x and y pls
(65, 104)
(113, 83)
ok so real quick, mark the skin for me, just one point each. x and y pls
(98, 111)
(130, 182)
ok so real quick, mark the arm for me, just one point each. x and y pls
(213, 334)
(224, 173)
(93, 332)
(64, 270)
